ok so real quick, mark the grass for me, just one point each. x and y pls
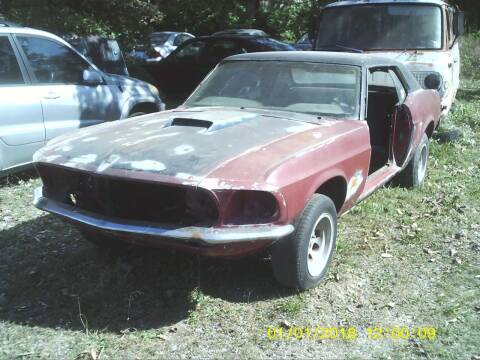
(59, 298)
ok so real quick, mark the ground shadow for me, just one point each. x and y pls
(14, 179)
(52, 277)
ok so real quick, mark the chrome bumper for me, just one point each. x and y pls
(209, 236)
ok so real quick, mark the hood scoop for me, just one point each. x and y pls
(220, 121)
(191, 123)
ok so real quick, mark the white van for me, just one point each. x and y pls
(421, 33)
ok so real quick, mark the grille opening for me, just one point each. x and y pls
(129, 199)
(191, 122)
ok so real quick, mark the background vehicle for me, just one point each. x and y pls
(251, 32)
(421, 33)
(304, 43)
(265, 154)
(161, 44)
(47, 88)
(103, 52)
(185, 68)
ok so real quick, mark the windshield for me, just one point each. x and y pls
(302, 87)
(380, 27)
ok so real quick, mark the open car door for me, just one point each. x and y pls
(401, 135)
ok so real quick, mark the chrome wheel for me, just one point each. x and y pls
(320, 245)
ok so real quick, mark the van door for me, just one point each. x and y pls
(22, 131)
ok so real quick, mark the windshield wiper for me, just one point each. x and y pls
(341, 47)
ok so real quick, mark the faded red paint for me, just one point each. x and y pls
(292, 167)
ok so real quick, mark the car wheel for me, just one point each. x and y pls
(415, 172)
(302, 259)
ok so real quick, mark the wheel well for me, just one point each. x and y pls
(335, 189)
(145, 108)
(430, 129)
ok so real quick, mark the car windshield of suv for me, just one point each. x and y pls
(302, 87)
(381, 27)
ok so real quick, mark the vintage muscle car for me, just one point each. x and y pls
(266, 153)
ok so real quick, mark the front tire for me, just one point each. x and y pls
(301, 260)
(415, 172)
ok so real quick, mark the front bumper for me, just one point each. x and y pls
(202, 235)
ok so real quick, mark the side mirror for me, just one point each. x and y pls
(433, 81)
(459, 23)
(92, 78)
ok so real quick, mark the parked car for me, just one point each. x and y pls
(421, 33)
(138, 52)
(105, 53)
(48, 88)
(304, 43)
(177, 75)
(248, 32)
(266, 153)
(161, 44)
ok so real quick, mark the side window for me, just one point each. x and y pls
(180, 39)
(191, 52)
(402, 93)
(221, 49)
(10, 73)
(52, 62)
(451, 35)
(387, 80)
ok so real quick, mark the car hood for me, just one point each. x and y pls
(186, 146)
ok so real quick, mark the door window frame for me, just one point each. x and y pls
(23, 69)
(28, 66)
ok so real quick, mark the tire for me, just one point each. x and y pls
(415, 172)
(293, 258)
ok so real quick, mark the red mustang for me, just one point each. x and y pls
(266, 152)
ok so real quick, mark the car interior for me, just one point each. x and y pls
(384, 94)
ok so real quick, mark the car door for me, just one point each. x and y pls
(402, 124)
(178, 74)
(57, 74)
(22, 130)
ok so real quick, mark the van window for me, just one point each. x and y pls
(381, 27)
(10, 73)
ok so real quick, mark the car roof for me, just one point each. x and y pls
(366, 2)
(241, 32)
(45, 34)
(340, 58)
(29, 31)
(343, 58)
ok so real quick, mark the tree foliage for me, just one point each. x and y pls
(131, 20)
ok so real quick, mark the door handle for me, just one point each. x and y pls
(51, 96)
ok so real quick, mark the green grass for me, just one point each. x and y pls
(59, 298)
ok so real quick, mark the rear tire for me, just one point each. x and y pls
(416, 171)
(302, 259)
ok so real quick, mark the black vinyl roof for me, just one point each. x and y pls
(341, 58)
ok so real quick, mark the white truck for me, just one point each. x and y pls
(421, 33)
